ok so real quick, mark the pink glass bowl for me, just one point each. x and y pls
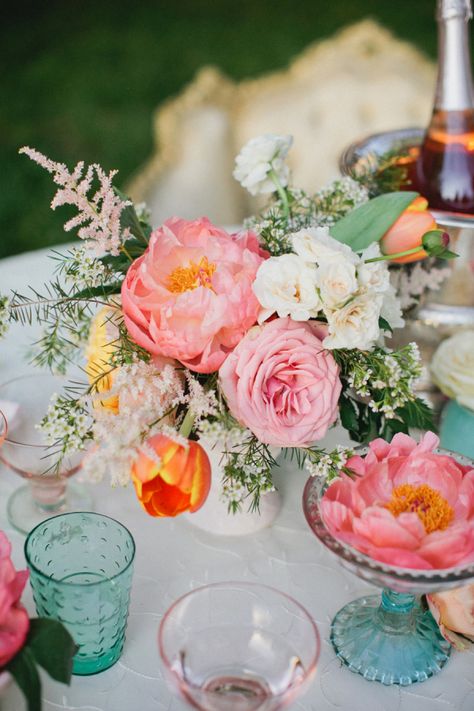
(26, 452)
(238, 647)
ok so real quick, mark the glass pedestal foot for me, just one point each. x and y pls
(393, 640)
(24, 512)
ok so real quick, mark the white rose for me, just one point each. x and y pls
(288, 286)
(315, 244)
(391, 309)
(337, 282)
(452, 368)
(374, 276)
(260, 156)
(356, 325)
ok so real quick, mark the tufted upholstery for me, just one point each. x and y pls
(360, 81)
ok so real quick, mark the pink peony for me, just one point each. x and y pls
(14, 621)
(407, 506)
(282, 384)
(190, 295)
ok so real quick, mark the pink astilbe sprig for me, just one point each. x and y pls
(99, 211)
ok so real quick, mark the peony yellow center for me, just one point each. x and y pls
(188, 278)
(432, 509)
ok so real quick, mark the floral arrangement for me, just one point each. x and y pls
(452, 368)
(26, 643)
(244, 341)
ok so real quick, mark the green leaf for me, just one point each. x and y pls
(23, 669)
(392, 427)
(92, 292)
(384, 325)
(417, 414)
(52, 647)
(129, 218)
(348, 413)
(369, 222)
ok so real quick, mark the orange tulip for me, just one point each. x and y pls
(178, 480)
(407, 232)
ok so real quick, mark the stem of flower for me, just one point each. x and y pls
(396, 255)
(187, 424)
(126, 252)
(281, 192)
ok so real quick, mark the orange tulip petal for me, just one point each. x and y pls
(202, 481)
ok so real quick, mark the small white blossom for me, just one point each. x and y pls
(67, 422)
(315, 245)
(337, 282)
(4, 315)
(391, 309)
(287, 285)
(374, 276)
(355, 325)
(261, 157)
(84, 269)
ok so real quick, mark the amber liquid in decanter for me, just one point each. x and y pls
(444, 170)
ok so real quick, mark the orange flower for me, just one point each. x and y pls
(178, 480)
(407, 232)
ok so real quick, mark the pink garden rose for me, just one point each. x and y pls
(14, 621)
(406, 506)
(282, 384)
(190, 295)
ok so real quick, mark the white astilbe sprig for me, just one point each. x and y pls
(148, 395)
(201, 402)
(99, 208)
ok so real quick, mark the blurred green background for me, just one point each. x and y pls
(81, 78)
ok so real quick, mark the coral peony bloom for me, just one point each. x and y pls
(407, 507)
(453, 610)
(407, 232)
(190, 295)
(282, 384)
(14, 620)
(176, 479)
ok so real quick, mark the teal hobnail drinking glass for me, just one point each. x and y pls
(81, 567)
(390, 638)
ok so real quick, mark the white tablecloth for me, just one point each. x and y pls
(174, 557)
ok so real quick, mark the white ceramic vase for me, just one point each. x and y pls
(214, 516)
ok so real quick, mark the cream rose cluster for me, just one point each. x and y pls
(325, 278)
(452, 368)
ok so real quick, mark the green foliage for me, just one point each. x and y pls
(48, 645)
(369, 222)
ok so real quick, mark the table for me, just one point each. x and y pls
(173, 557)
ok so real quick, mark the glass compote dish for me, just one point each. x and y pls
(238, 647)
(26, 452)
(392, 639)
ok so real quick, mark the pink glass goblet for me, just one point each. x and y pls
(238, 647)
(26, 452)
(3, 428)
